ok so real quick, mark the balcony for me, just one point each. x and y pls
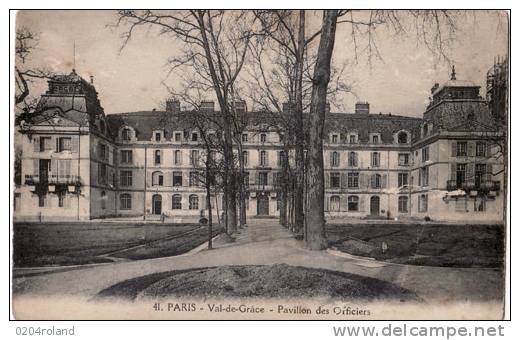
(53, 179)
(484, 186)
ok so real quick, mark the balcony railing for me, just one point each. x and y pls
(53, 179)
(472, 185)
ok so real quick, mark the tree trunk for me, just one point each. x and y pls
(241, 187)
(315, 175)
(300, 133)
(208, 198)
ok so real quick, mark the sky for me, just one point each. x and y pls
(132, 79)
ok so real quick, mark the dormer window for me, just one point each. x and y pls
(263, 137)
(402, 137)
(244, 138)
(375, 139)
(334, 138)
(352, 139)
(126, 134)
(178, 136)
(194, 137)
(157, 136)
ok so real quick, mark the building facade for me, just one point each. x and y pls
(78, 163)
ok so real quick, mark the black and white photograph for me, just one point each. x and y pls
(260, 164)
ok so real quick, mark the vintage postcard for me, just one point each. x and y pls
(260, 164)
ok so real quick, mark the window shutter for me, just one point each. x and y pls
(54, 167)
(471, 149)
(383, 181)
(344, 180)
(266, 158)
(327, 180)
(453, 149)
(489, 172)
(453, 171)
(185, 179)
(67, 167)
(75, 143)
(331, 158)
(420, 177)
(257, 178)
(57, 143)
(372, 181)
(362, 181)
(36, 166)
(168, 179)
(470, 172)
(327, 204)
(36, 144)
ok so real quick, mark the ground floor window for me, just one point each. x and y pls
(353, 203)
(176, 202)
(125, 202)
(334, 203)
(194, 202)
(423, 203)
(403, 204)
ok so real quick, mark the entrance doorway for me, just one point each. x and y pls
(374, 205)
(262, 202)
(156, 204)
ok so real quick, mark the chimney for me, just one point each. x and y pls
(363, 107)
(92, 79)
(287, 107)
(207, 105)
(435, 87)
(173, 105)
(240, 106)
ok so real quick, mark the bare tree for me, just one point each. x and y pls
(215, 47)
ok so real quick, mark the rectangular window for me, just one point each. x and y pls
(352, 139)
(375, 139)
(353, 203)
(194, 179)
(353, 179)
(194, 137)
(263, 158)
(102, 175)
(102, 152)
(45, 144)
(245, 158)
(461, 174)
(178, 136)
(480, 172)
(423, 203)
(403, 204)
(375, 159)
(424, 175)
(335, 139)
(480, 150)
(177, 178)
(262, 178)
(126, 156)
(334, 180)
(334, 159)
(64, 144)
(157, 136)
(125, 202)
(425, 153)
(402, 179)
(194, 157)
(352, 159)
(404, 159)
(462, 148)
(157, 156)
(125, 178)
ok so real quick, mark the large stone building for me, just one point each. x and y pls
(78, 163)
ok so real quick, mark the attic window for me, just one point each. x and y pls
(334, 138)
(157, 136)
(125, 134)
(375, 139)
(402, 137)
(194, 137)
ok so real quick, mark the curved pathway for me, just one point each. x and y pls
(266, 242)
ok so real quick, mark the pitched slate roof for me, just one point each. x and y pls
(145, 122)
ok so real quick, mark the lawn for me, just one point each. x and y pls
(273, 281)
(38, 244)
(423, 244)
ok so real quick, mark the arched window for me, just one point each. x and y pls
(402, 137)
(403, 204)
(125, 202)
(352, 159)
(157, 178)
(177, 159)
(353, 203)
(103, 200)
(194, 157)
(157, 156)
(194, 202)
(334, 159)
(263, 138)
(176, 202)
(376, 181)
(334, 203)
